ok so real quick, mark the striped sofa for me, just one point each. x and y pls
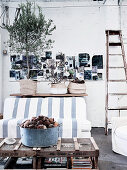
(69, 111)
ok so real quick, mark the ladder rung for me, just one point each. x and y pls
(117, 93)
(117, 80)
(113, 32)
(118, 108)
(115, 44)
(115, 54)
(116, 67)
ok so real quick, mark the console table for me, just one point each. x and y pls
(49, 95)
(66, 147)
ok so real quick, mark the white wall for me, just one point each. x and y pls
(80, 28)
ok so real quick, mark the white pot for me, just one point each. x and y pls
(58, 88)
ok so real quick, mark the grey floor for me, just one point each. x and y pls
(108, 160)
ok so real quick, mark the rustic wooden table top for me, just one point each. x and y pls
(66, 147)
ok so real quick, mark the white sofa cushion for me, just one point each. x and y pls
(68, 128)
(69, 111)
(63, 107)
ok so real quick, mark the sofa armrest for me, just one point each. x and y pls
(118, 122)
(1, 116)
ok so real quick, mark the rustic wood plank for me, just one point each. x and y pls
(38, 163)
(50, 95)
(122, 80)
(123, 52)
(65, 168)
(115, 44)
(118, 108)
(58, 144)
(76, 144)
(118, 94)
(18, 145)
(113, 32)
(34, 162)
(94, 143)
(116, 67)
(2, 142)
(69, 163)
(96, 162)
(107, 79)
(115, 54)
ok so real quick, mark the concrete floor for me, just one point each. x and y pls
(108, 160)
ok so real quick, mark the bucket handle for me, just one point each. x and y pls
(60, 125)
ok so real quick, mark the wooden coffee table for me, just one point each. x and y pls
(66, 147)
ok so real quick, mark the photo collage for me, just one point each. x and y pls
(47, 68)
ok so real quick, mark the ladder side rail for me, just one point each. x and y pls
(106, 83)
(123, 54)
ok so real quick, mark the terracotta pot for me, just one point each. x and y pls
(76, 88)
(28, 87)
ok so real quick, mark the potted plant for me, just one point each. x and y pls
(77, 86)
(57, 78)
(30, 35)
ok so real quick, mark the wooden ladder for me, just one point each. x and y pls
(108, 46)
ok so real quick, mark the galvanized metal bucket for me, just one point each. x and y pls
(39, 137)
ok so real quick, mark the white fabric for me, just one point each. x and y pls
(21, 108)
(67, 130)
(81, 109)
(8, 108)
(33, 107)
(119, 135)
(44, 108)
(56, 108)
(70, 111)
(121, 132)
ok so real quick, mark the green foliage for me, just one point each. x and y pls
(30, 32)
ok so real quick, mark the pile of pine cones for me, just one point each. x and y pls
(40, 122)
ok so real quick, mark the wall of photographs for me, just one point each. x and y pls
(47, 68)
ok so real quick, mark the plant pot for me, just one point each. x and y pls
(39, 137)
(28, 87)
(76, 88)
(58, 88)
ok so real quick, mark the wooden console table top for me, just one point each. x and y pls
(49, 95)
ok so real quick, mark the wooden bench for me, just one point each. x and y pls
(66, 147)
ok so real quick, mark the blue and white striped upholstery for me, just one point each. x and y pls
(69, 111)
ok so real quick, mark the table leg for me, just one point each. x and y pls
(96, 162)
(42, 161)
(39, 163)
(34, 162)
(69, 163)
(93, 162)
